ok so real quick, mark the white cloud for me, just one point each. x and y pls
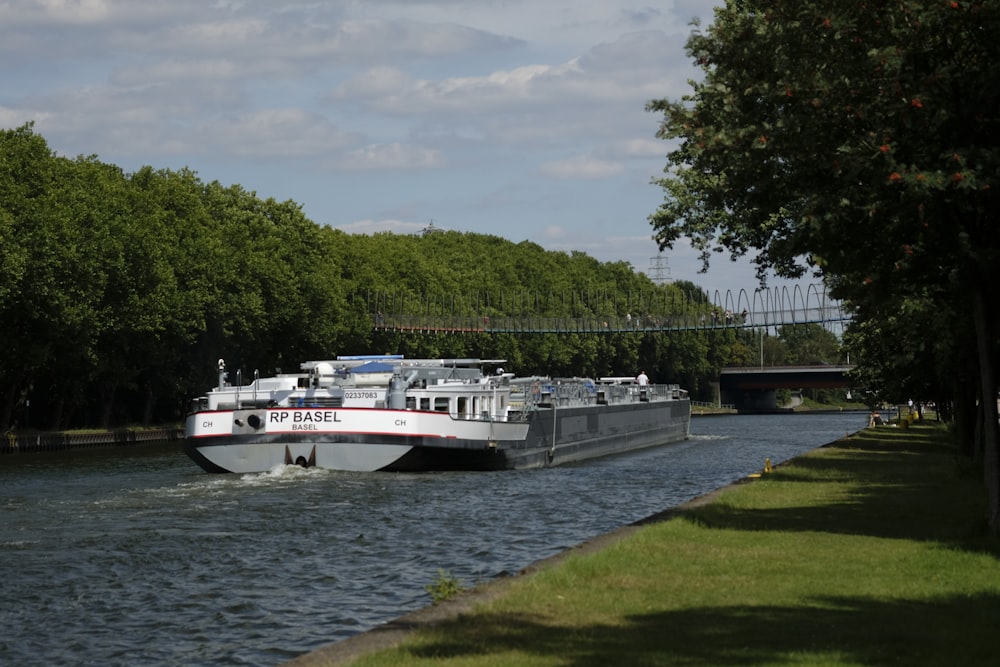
(550, 21)
(583, 167)
(389, 91)
(178, 70)
(373, 83)
(386, 157)
(75, 11)
(556, 233)
(641, 148)
(10, 118)
(627, 72)
(275, 133)
(519, 117)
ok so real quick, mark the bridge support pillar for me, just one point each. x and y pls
(758, 400)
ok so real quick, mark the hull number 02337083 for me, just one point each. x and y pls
(356, 395)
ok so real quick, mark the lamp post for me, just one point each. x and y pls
(762, 347)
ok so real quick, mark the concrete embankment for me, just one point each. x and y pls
(22, 443)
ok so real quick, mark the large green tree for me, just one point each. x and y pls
(809, 343)
(856, 139)
(119, 293)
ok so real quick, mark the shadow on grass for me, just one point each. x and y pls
(829, 630)
(891, 485)
(895, 483)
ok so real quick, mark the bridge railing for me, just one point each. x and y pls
(528, 324)
(601, 312)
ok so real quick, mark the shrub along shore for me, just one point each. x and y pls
(871, 550)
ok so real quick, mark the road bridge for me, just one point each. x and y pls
(601, 311)
(755, 388)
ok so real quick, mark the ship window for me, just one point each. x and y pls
(425, 403)
(411, 403)
(463, 405)
(441, 404)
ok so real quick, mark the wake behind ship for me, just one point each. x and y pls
(387, 413)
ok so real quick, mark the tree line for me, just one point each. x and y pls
(120, 291)
(859, 141)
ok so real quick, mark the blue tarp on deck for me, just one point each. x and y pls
(373, 367)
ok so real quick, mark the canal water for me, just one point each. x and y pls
(137, 557)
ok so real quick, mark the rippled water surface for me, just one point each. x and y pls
(137, 557)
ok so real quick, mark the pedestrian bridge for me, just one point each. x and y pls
(601, 311)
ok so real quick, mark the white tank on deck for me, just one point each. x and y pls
(324, 375)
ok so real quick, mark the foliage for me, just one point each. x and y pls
(445, 587)
(857, 140)
(824, 130)
(783, 397)
(123, 290)
(809, 343)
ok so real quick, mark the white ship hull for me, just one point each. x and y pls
(472, 422)
(357, 439)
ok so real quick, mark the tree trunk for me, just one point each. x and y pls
(7, 407)
(147, 408)
(964, 413)
(988, 388)
(107, 405)
(58, 409)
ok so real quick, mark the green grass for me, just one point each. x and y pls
(445, 587)
(870, 551)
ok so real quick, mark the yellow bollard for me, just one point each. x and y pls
(767, 465)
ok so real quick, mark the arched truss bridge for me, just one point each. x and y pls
(602, 311)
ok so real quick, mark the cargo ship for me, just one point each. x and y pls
(387, 413)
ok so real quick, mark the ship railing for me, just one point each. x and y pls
(559, 393)
(631, 393)
(614, 393)
(546, 393)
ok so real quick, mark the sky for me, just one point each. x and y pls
(524, 119)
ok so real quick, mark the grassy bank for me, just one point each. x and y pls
(870, 551)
